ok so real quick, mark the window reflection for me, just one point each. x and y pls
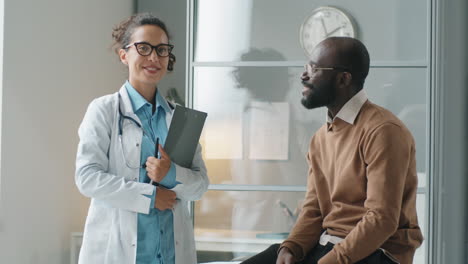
(218, 238)
(229, 35)
(230, 152)
(403, 91)
(234, 97)
(226, 28)
(228, 93)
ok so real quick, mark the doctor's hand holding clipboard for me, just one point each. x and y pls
(156, 169)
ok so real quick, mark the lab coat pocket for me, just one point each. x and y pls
(183, 220)
(96, 233)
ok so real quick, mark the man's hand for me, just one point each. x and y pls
(156, 168)
(285, 257)
(165, 199)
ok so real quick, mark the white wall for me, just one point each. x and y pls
(56, 60)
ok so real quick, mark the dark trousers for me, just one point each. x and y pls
(269, 255)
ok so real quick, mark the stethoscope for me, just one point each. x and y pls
(122, 118)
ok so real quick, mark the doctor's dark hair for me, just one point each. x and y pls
(122, 33)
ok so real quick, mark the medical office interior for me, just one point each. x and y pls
(239, 61)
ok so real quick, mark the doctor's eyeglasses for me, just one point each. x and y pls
(145, 49)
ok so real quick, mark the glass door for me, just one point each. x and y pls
(244, 68)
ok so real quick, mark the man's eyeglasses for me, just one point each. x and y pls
(145, 49)
(312, 69)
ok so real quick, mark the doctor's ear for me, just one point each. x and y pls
(172, 60)
(123, 56)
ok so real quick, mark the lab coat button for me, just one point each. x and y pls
(133, 245)
(137, 144)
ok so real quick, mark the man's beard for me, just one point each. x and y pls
(318, 96)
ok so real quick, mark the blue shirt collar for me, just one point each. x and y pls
(139, 101)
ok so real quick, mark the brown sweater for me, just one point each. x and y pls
(361, 186)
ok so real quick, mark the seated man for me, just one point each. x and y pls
(360, 205)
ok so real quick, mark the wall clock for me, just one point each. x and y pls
(324, 22)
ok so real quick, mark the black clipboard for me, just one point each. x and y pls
(184, 134)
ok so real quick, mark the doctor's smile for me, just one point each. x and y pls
(152, 69)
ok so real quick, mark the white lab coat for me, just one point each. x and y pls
(110, 233)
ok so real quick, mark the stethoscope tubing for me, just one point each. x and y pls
(121, 118)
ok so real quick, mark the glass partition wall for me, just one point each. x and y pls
(244, 68)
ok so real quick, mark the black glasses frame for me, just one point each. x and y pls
(155, 48)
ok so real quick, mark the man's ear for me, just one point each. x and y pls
(346, 78)
(123, 56)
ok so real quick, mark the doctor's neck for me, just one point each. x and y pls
(147, 91)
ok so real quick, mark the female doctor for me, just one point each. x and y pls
(130, 219)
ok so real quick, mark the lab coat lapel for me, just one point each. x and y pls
(126, 104)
